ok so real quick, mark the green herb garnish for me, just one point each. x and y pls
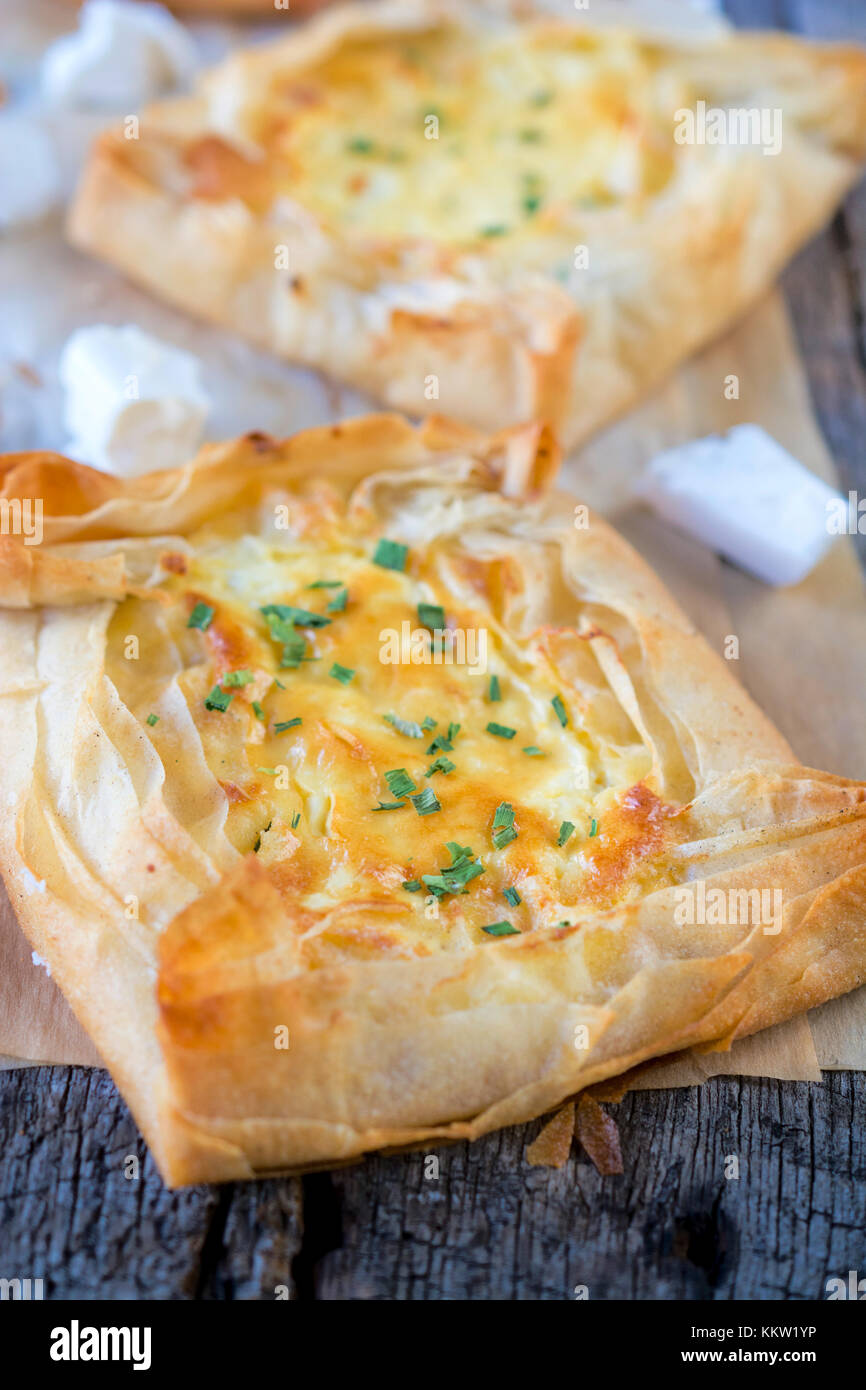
(399, 782)
(360, 144)
(391, 555)
(404, 726)
(494, 229)
(566, 830)
(235, 679)
(343, 674)
(218, 699)
(339, 601)
(326, 584)
(512, 896)
(503, 825)
(593, 829)
(425, 802)
(413, 885)
(462, 869)
(501, 929)
(533, 752)
(299, 617)
(500, 730)
(201, 616)
(391, 806)
(152, 719)
(440, 764)
(293, 642)
(560, 710)
(258, 711)
(431, 615)
(296, 820)
(287, 724)
(493, 691)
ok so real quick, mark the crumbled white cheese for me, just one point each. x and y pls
(132, 403)
(743, 495)
(30, 181)
(31, 882)
(37, 960)
(121, 55)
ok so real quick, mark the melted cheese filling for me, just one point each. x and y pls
(463, 137)
(305, 797)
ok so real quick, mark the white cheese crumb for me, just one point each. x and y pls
(132, 403)
(30, 180)
(745, 496)
(31, 882)
(121, 55)
(37, 960)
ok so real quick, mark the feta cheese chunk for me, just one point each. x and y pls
(30, 181)
(121, 55)
(743, 495)
(132, 403)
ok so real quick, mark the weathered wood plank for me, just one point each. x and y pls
(672, 1226)
(70, 1216)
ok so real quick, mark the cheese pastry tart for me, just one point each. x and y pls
(497, 218)
(362, 791)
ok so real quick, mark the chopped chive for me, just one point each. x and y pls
(343, 674)
(391, 806)
(593, 829)
(327, 584)
(431, 615)
(268, 771)
(500, 730)
(258, 711)
(493, 691)
(453, 731)
(501, 929)
(152, 719)
(413, 885)
(339, 601)
(360, 144)
(440, 764)
(404, 726)
(279, 684)
(441, 744)
(494, 229)
(201, 616)
(390, 555)
(512, 896)
(531, 204)
(235, 679)
(218, 699)
(564, 923)
(560, 709)
(425, 802)
(533, 752)
(462, 869)
(503, 825)
(566, 830)
(296, 820)
(287, 724)
(399, 782)
(300, 617)
(427, 723)
(293, 642)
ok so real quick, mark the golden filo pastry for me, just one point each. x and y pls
(360, 791)
(497, 218)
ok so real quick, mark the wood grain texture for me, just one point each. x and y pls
(672, 1226)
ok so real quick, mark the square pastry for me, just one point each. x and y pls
(499, 218)
(361, 790)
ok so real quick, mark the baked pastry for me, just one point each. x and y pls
(320, 875)
(493, 218)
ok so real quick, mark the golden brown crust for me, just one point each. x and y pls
(191, 211)
(188, 957)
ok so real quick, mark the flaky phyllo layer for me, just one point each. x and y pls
(359, 789)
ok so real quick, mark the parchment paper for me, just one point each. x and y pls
(802, 650)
